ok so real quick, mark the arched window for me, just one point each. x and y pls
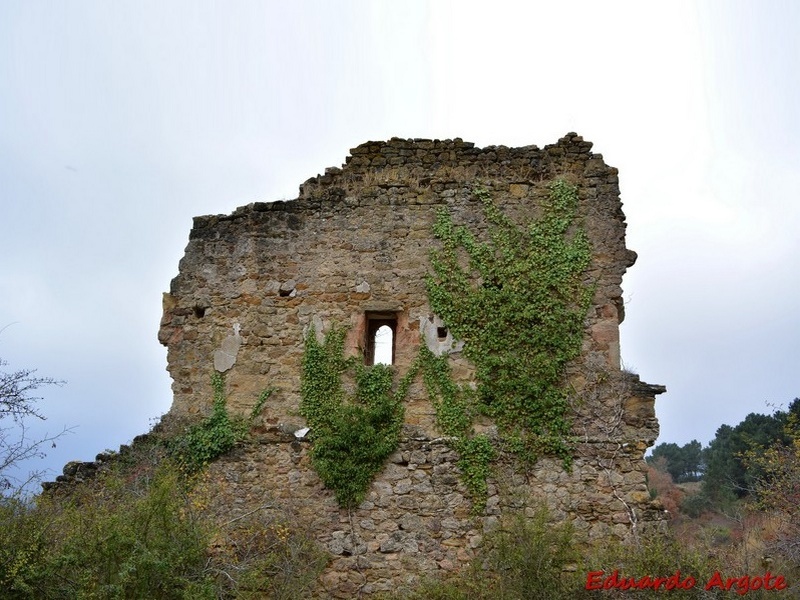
(381, 333)
(384, 345)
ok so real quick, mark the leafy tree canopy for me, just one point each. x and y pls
(684, 463)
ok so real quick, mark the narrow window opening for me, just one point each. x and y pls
(441, 333)
(384, 338)
(199, 311)
(381, 333)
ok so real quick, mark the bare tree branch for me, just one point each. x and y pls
(17, 405)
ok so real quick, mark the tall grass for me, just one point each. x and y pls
(137, 532)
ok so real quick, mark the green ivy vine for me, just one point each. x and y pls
(518, 301)
(455, 408)
(352, 434)
(216, 434)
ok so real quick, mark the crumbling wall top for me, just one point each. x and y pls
(353, 253)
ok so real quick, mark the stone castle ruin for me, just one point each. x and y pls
(353, 253)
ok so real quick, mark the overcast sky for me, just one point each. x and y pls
(120, 121)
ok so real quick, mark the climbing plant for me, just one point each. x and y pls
(352, 434)
(216, 434)
(518, 300)
(455, 410)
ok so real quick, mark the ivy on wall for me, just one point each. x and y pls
(518, 301)
(216, 434)
(455, 407)
(353, 434)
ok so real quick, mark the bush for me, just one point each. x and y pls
(263, 556)
(531, 558)
(660, 555)
(105, 542)
(661, 486)
(137, 531)
(695, 505)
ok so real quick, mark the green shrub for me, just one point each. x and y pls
(260, 557)
(530, 557)
(137, 533)
(695, 504)
(22, 543)
(658, 555)
(104, 542)
(455, 589)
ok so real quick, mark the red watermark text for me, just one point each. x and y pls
(600, 580)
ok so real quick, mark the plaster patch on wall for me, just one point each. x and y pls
(225, 355)
(432, 329)
(319, 328)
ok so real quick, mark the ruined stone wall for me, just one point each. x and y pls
(356, 242)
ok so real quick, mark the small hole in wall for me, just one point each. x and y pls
(199, 311)
(284, 293)
(441, 333)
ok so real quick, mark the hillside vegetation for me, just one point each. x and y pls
(142, 529)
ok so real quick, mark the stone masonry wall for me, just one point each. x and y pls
(356, 242)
